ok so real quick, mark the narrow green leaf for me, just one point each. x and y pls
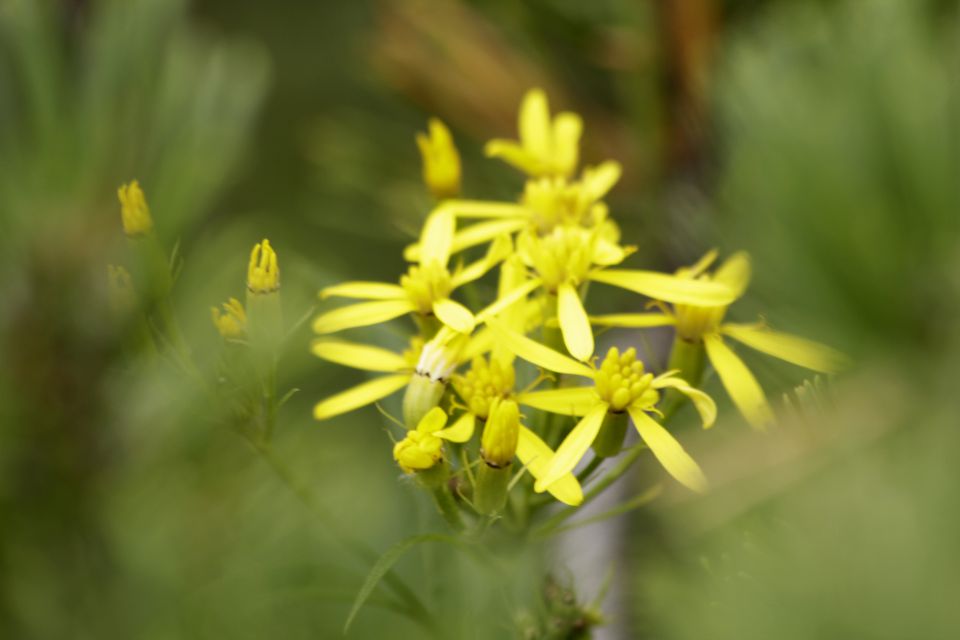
(385, 563)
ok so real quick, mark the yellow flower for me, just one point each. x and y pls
(134, 211)
(232, 321)
(263, 273)
(570, 256)
(620, 385)
(547, 202)
(698, 324)
(425, 290)
(441, 162)
(545, 148)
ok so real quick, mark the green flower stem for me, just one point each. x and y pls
(348, 541)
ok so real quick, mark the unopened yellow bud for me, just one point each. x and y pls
(231, 322)
(134, 211)
(441, 162)
(498, 445)
(421, 449)
(418, 451)
(120, 289)
(263, 274)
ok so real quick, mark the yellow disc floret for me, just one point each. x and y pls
(621, 380)
(425, 284)
(484, 383)
(134, 211)
(263, 274)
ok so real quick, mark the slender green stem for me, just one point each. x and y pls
(634, 503)
(309, 499)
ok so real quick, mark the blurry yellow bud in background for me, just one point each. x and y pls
(441, 162)
(231, 322)
(134, 210)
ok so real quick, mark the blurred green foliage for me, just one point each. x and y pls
(826, 145)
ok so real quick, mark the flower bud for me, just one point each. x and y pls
(134, 211)
(264, 315)
(418, 451)
(441, 162)
(498, 445)
(231, 323)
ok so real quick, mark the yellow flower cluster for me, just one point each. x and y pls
(547, 246)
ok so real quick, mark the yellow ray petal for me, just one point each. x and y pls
(360, 395)
(700, 265)
(538, 354)
(454, 315)
(515, 219)
(633, 320)
(574, 325)
(569, 401)
(597, 181)
(666, 287)
(573, 447)
(535, 456)
(703, 403)
(498, 251)
(668, 451)
(436, 239)
(534, 124)
(361, 315)
(743, 388)
(364, 291)
(461, 430)
(567, 128)
(501, 303)
(735, 273)
(513, 154)
(433, 421)
(608, 253)
(793, 349)
(358, 356)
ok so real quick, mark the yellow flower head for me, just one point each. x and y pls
(485, 383)
(621, 380)
(231, 322)
(134, 211)
(498, 445)
(426, 284)
(120, 290)
(694, 321)
(546, 147)
(441, 162)
(554, 200)
(263, 274)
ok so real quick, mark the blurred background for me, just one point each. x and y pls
(823, 137)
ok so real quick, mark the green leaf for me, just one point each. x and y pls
(385, 563)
